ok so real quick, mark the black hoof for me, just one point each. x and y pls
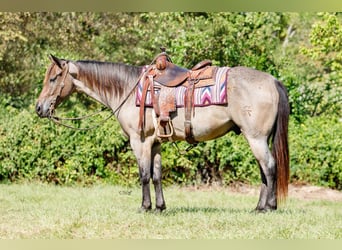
(144, 210)
(265, 210)
(159, 210)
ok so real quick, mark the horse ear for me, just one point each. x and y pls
(56, 60)
(73, 70)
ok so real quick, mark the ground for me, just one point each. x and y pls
(304, 192)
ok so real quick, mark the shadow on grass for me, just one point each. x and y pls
(214, 210)
(206, 210)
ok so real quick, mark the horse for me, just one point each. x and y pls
(258, 107)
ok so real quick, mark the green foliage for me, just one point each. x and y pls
(322, 90)
(226, 38)
(316, 152)
(233, 160)
(301, 49)
(33, 149)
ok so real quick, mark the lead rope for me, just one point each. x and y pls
(57, 121)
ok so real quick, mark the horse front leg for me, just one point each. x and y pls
(145, 176)
(143, 155)
(157, 177)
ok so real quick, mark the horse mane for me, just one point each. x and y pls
(108, 78)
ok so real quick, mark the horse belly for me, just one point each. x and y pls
(207, 123)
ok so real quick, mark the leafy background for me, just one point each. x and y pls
(303, 50)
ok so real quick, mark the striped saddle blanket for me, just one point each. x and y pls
(213, 94)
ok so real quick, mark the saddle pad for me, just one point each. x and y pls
(215, 94)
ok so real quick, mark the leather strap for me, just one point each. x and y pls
(154, 97)
(188, 106)
(202, 64)
(146, 84)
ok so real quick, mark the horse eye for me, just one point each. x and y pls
(52, 79)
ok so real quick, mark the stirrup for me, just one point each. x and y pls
(167, 135)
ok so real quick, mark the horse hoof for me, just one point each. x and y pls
(144, 210)
(264, 210)
(159, 210)
(261, 211)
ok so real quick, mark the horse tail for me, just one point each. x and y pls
(280, 148)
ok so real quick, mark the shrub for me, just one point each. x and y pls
(316, 147)
(35, 149)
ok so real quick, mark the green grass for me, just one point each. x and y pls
(37, 211)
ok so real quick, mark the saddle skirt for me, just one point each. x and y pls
(212, 92)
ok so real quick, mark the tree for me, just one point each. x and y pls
(325, 52)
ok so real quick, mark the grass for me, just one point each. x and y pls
(37, 211)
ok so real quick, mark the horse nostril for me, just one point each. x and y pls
(38, 109)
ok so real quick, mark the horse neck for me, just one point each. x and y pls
(108, 83)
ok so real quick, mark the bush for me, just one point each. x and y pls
(35, 149)
(316, 152)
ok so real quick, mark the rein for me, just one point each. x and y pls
(58, 120)
(78, 118)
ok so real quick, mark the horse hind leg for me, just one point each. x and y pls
(260, 149)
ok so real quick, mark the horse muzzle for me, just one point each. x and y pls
(44, 109)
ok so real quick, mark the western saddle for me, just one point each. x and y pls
(161, 78)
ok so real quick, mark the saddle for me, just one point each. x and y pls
(161, 78)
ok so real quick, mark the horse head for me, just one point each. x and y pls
(58, 84)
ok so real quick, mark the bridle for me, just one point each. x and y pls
(58, 93)
(58, 120)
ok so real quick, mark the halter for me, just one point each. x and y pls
(58, 93)
(58, 120)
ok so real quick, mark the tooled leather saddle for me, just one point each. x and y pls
(161, 78)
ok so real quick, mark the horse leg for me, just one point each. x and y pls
(143, 155)
(145, 175)
(157, 177)
(260, 149)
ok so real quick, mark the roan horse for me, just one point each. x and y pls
(258, 107)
